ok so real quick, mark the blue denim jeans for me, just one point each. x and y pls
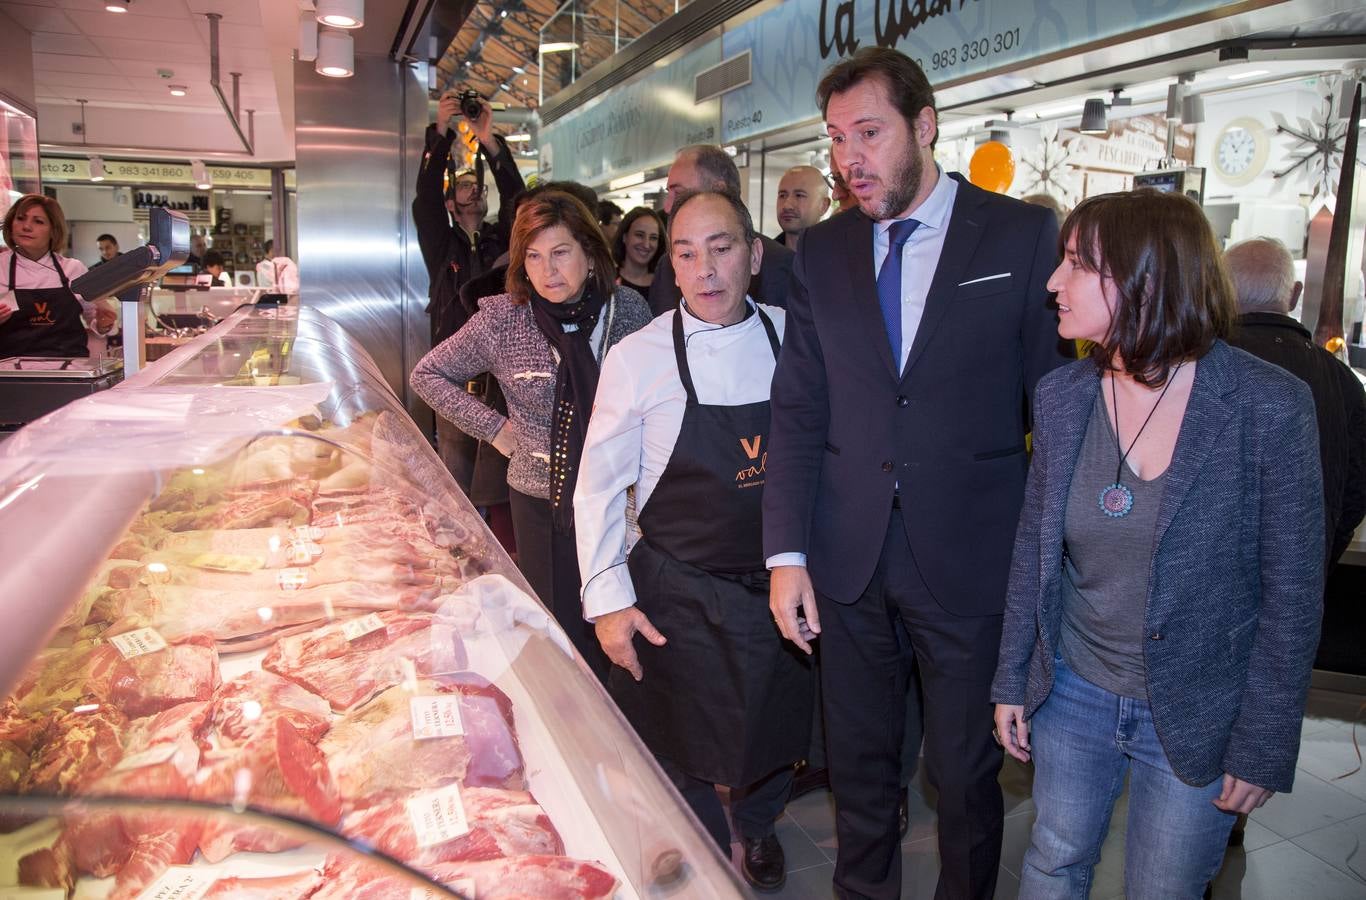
(1085, 739)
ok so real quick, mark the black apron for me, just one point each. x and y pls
(726, 699)
(47, 322)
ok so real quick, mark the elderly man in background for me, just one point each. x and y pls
(1264, 280)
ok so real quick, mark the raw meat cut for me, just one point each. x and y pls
(277, 771)
(238, 620)
(347, 673)
(75, 750)
(329, 570)
(501, 823)
(247, 705)
(513, 878)
(96, 672)
(249, 506)
(153, 855)
(401, 541)
(182, 724)
(103, 840)
(372, 752)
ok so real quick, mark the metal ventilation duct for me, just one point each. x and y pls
(727, 75)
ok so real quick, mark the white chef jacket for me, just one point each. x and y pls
(637, 416)
(279, 273)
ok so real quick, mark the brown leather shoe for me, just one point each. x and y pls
(762, 863)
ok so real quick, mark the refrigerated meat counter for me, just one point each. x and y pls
(258, 644)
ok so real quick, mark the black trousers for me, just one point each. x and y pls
(754, 808)
(550, 563)
(865, 665)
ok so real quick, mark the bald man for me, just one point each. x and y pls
(803, 200)
(1264, 279)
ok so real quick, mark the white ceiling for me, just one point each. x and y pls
(81, 51)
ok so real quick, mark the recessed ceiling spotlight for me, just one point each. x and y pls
(117, 6)
(178, 90)
(97, 168)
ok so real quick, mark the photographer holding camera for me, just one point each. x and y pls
(457, 244)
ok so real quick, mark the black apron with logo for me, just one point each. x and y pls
(47, 322)
(726, 699)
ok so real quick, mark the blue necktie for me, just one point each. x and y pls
(889, 284)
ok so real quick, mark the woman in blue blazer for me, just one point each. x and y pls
(1165, 588)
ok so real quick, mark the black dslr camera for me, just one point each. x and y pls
(470, 104)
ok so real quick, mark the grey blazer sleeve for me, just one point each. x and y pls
(1265, 740)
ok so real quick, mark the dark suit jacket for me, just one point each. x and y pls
(769, 286)
(1235, 595)
(950, 429)
(1340, 405)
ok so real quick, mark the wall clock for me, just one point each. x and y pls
(1240, 151)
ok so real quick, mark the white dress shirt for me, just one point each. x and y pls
(919, 260)
(637, 416)
(280, 273)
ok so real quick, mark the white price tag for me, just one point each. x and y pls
(359, 628)
(138, 643)
(303, 553)
(7, 301)
(306, 533)
(181, 883)
(435, 716)
(437, 816)
(292, 579)
(152, 757)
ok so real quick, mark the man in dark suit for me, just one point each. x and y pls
(918, 326)
(706, 167)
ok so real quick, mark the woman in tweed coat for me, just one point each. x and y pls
(1164, 598)
(544, 340)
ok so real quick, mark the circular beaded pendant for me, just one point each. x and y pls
(1116, 500)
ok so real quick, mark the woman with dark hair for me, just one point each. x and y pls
(638, 246)
(39, 314)
(1164, 597)
(544, 340)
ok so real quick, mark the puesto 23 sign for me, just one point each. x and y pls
(794, 43)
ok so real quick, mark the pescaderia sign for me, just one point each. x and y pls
(793, 44)
(77, 169)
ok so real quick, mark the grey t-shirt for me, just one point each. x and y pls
(1106, 564)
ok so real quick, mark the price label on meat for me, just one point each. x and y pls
(302, 553)
(153, 757)
(436, 716)
(138, 643)
(292, 579)
(359, 628)
(306, 533)
(181, 883)
(437, 816)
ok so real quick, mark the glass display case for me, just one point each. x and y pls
(260, 645)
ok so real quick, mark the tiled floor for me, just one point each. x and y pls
(1306, 845)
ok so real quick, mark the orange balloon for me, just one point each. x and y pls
(992, 167)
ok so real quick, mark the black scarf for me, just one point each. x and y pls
(576, 382)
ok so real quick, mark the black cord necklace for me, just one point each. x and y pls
(1116, 499)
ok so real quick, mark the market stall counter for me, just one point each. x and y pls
(260, 645)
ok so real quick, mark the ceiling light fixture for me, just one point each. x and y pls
(97, 168)
(178, 90)
(341, 13)
(1254, 73)
(559, 46)
(308, 37)
(117, 6)
(336, 55)
(519, 70)
(520, 136)
(503, 14)
(200, 173)
(1093, 119)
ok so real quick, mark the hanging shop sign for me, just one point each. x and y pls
(795, 42)
(633, 127)
(77, 169)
